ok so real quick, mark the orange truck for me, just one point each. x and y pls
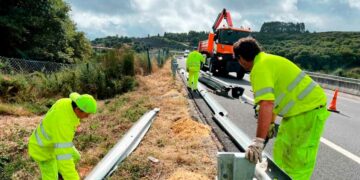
(218, 48)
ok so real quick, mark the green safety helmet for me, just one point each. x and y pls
(85, 102)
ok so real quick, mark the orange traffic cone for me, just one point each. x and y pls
(332, 106)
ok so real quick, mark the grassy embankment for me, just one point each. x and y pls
(24, 96)
(183, 146)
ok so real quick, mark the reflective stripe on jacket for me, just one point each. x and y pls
(276, 78)
(53, 138)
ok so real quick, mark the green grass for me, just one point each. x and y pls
(136, 110)
(14, 161)
(118, 103)
(86, 140)
(16, 167)
(137, 169)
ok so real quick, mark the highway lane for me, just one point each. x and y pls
(340, 130)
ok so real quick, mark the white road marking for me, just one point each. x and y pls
(341, 150)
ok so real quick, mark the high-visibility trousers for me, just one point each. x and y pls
(297, 143)
(49, 168)
(193, 79)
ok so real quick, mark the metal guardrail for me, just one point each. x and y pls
(266, 170)
(236, 161)
(346, 85)
(123, 147)
(214, 105)
(221, 86)
(333, 77)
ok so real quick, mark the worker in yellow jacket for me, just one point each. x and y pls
(193, 64)
(282, 89)
(51, 146)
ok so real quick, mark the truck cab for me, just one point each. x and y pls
(218, 48)
(219, 51)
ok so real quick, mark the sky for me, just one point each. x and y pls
(138, 18)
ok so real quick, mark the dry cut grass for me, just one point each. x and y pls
(183, 146)
(14, 134)
(13, 110)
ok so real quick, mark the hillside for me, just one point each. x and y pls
(328, 52)
(139, 44)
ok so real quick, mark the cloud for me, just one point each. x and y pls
(289, 5)
(152, 17)
(354, 4)
(142, 17)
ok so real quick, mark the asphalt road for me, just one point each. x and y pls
(339, 152)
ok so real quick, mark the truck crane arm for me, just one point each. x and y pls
(222, 15)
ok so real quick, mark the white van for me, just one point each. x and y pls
(186, 52)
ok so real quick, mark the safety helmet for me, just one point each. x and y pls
(85, 102)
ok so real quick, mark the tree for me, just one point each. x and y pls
(40, 30)
(282, 27)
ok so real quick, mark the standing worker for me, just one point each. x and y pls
(50, 144)
(193, 64)
(281, 88)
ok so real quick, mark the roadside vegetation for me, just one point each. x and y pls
(125, 82)
(23, 96)
(103, 77)
(183, 146)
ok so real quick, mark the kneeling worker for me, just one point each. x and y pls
(50, 145)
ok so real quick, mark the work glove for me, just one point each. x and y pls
(254, 151)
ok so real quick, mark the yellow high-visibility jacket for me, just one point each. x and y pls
(276, 78)
(53, 137)
(194, 60)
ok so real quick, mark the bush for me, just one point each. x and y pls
(102, 77)
(12, 88)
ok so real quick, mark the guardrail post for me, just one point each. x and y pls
(158, 59)
(174, 66)
(234, 166)
(148, 61)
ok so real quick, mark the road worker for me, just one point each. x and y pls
(193, 64)
(50, 145)
(282, 89)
